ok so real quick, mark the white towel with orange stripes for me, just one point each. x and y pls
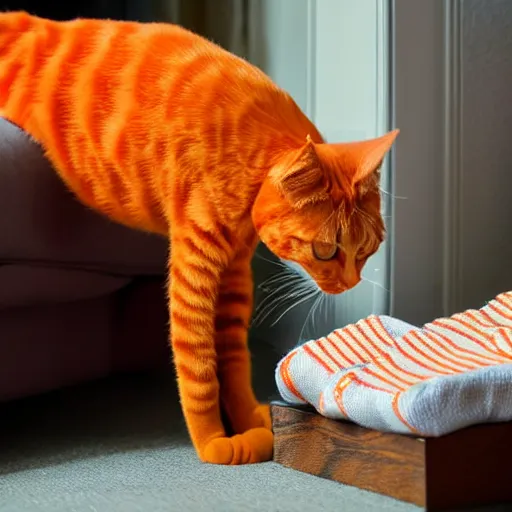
(385, 374)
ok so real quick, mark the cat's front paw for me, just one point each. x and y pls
(247, 417)
(254, 445)
(261, 417)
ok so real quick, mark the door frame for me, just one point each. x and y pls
(426, 162)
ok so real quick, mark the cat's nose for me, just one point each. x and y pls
(352, 281)
(351, 275)
(351, 278)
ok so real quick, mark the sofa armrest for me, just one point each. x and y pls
(43, 223)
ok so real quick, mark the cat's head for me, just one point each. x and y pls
(320, 208)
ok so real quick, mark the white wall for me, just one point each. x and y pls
(279, 44)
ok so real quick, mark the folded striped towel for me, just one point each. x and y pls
(388, 375)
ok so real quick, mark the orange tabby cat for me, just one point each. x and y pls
(163, 131)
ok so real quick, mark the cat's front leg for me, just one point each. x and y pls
(198, 261)
(234, 311)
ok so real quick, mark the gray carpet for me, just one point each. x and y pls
(120, 446)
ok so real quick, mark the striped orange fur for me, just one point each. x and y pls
(164, 131)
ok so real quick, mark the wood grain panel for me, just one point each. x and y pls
(467, 468)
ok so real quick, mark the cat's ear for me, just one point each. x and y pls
(369, 154)
(301, 178)
(362, 158)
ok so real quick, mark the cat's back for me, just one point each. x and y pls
(97, 78)
(111, 99)
(94, 57)
(85, 36)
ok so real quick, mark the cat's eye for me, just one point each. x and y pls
(324, 251)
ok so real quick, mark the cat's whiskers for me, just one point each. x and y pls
(308, 296)
(276, 279)
(297, 285)
(273, 262)
(273, 305)
(281, 285)
(311, 315)
(271, 297)
(365, 279)
(392, 196)
(308, 316)
(291, 284)
(327, 301)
